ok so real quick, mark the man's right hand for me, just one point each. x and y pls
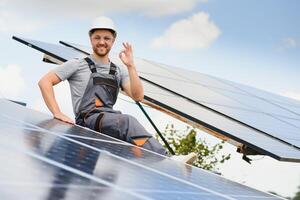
(64, 118)
(46, 85)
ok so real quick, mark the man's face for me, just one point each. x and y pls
(102, 41)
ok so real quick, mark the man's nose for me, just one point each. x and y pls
(101, 41)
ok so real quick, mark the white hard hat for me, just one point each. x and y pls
(103, 23)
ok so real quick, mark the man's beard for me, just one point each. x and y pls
(101, 53)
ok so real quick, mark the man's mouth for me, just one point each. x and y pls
(101, 47)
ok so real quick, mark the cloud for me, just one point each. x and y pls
(162, 8)
(286, 43)
(12, 22)
(92, 8)
(21, 16)
(197, 31)
(12, 82)
(289, 42)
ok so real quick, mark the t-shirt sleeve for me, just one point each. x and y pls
(65, 70)
(123, 75)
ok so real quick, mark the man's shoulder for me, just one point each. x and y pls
(69, 67)
(75, 61)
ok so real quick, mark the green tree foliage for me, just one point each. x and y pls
(297, 196)
(186, 141)
(288, 198)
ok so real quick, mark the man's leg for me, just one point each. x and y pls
(126, 128)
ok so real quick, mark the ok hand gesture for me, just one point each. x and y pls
(126, 55)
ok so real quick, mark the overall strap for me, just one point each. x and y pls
(91, 64)
(113, 68)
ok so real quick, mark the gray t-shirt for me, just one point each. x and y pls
(77, 72)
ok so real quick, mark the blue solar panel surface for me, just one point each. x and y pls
(247, 108)
(263, 121)
(59, 52)
(43, 158)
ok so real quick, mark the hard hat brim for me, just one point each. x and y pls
(91, 31)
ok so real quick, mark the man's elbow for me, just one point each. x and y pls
(139, 98)
(42, 82)
(50, 79)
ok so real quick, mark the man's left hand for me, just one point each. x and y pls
(126, 55)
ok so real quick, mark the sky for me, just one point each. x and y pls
(255, 42)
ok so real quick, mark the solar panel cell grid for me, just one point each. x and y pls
(55, 164)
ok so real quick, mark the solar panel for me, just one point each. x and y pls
(241, 95)
(231, 99)
(44, 158)
(58, 52)
(262, 121)
(246, 108)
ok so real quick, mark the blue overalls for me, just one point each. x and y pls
(102, 118)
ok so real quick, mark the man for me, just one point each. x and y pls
(95, 83)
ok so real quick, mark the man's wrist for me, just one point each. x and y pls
(57, 113)
(131, 65)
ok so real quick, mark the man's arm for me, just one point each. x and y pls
(133, 87)
(46, 86)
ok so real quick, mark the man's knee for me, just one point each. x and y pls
(127, 118)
